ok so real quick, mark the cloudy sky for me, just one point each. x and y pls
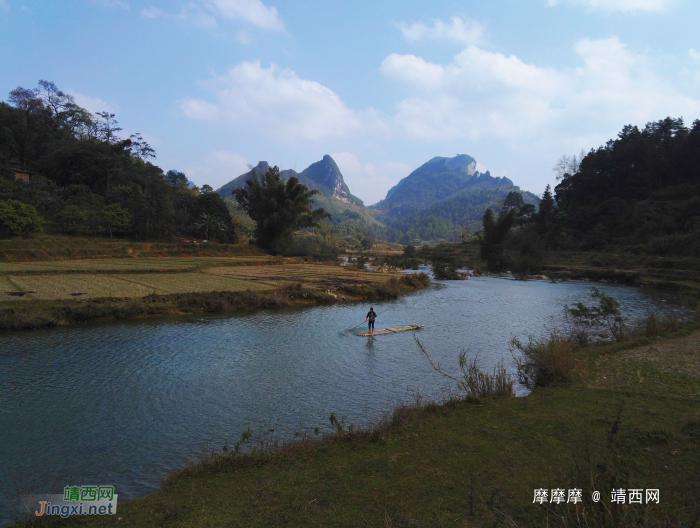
(214, 85)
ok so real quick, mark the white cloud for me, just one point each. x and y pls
(196, 15)
(368, 181)
(192, 13)
(252, 11)
(217, 168)
(206, 13)
(92, 104)
(412, 69)
(457, 29)
(152, 12)
(111, 4)
(694, 54)
(277, 102)
(616, 5)
(484, 94)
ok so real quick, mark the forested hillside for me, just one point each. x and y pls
(63, 169)
(444, 219)
(638, 193)
(640, 190)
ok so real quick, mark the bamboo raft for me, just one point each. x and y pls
(391, 330)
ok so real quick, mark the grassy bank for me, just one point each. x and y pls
(630, 418)
(34, 314)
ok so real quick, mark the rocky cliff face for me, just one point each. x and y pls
(324, 176)
(437, 180)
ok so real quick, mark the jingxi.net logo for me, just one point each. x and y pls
(78, 500)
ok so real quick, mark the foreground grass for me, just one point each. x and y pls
(630, 419)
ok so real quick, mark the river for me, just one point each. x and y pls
(124, 403)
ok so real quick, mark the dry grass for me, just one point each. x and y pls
(654, 325)
(669, 367)
(58, 299)
(133, 265)
(477, 384)
(544, 362)
(139, 277)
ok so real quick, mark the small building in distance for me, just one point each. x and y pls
(21, 173)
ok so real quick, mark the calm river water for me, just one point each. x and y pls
(124, 403)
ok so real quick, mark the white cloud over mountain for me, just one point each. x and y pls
(481, 97)
(483, 93)
(278, 102)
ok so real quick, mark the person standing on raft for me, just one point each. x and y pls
(371, 316)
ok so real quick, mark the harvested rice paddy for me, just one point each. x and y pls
(131, 265)
(134, 278)
(313, 275)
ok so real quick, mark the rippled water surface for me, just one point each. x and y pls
(124, 403)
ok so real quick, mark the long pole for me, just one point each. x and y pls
(353, 328)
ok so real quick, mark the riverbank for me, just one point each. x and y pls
(246, 288)
(629, 419)
(680, 275)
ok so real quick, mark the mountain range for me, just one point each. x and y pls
(324, 176)
(429, 203)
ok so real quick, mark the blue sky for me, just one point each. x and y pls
(214, 85)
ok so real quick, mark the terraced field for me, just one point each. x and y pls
(134, 278)
(132, 265)
(312, 275)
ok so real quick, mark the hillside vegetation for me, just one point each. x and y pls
(637, 195)
(65, 170)
(640, 191)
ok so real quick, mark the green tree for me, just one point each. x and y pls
(114, 216)
(278, 208)
(514, 199)
(367, 243)
(546, 208)
(210, 224)
(73, 219)
(495, 231)
(177, 179)
(409, 251)
(17, 218)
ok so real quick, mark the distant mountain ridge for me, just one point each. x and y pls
(437, 180)
(430, 203)
(323, 176)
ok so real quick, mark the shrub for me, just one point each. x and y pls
(446, 269)
(599, 321)
(653, 325)
(544, 362)
(474, 383)
(477, 384)
(17, 218)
